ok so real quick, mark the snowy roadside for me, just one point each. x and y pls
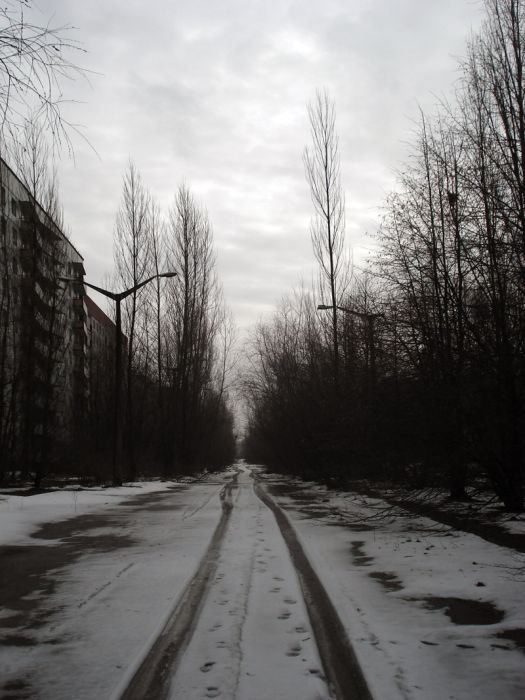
(20, 516)
(81, 636)
(482, 513)
(394, 576)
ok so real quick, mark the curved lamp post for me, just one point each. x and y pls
(117, 297)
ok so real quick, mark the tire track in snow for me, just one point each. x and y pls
(340, 663)
(190, 513)
(152, 678)
(252, 639)
(242, 620)
(103, 587)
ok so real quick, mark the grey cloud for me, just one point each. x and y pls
(215, 93)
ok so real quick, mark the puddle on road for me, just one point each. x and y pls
(30, 573)
(17, 686)
(146, 501)
(516, 635)
(359, 557)
(296, 493)
(315, 512)
(387, 579)
(357, 527)
(303, 497)
(21, 640)
(67, 528)
(100, 542)
(86, 531)
(462, 611)
(17, 640)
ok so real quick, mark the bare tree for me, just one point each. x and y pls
(157, 234)
(177, 358)
(35, 61)
(322, 168)
(493, 119)
(133, 264)
(195, 312)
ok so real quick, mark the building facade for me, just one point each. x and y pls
(101, 349)
(43, 334)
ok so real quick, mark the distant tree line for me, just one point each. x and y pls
(57, 378)
(419, 375)
(179, 340)
(57, 390)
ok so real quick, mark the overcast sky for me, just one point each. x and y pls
(213, 93)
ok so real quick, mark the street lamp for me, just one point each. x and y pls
(117, 297)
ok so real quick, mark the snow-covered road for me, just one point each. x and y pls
(190, 591)
(253, 638)
(182, 593)
(85, 596)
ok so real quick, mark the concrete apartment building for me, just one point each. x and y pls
(47, 329)
(101, 334)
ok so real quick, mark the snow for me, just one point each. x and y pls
(108, 608)
(254, 621)
(21, 515)
(252, 640)
(481, 505)
(406, 649)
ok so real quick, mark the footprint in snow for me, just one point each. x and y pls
(278, 578)
(207, 666)
(315, 672)
(216, 626)
(290, 601)
(212, 691)
(300, 629)
(275, 589)
(294, 649)
(284, 615)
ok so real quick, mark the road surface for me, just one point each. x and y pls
(238, 611)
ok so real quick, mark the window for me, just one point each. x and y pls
(14, 207)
